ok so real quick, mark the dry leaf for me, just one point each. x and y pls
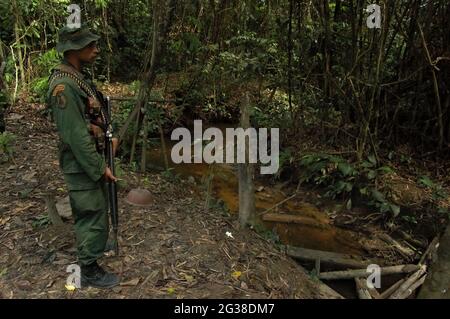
(132, 282)
(236, 275)
(188, 278)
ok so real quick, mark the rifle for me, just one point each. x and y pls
(112, 187)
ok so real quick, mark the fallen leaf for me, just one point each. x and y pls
(70, 287)
(24, 285)
(236, 275)
(3, 272)
(132, 282)
(188, 278)
(170, 291)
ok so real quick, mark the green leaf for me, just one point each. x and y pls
(391, 155)
(345, 168)
(348, 187)
(349, 204)
(372, 174)
(366, 164)
(386, 170)
(426, 181)
(384, 207)
(372, 159)
(395, 209)
(363, 191)
(378, 196)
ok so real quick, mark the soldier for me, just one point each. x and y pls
(75, 102)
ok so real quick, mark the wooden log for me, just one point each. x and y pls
(361, 288)
(349, 274)
(327, 292)
(388, 292)
(330, 258)
(289, 219)
(402, 292)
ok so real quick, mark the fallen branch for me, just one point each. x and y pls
(404, 290)
(336, 259)
(289, 219)
(278, 204)
(432, 248)
(349, 274)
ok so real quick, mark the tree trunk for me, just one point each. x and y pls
(246, 186)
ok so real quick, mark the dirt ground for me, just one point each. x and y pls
(172, 249)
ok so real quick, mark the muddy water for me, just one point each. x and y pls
(316, 232)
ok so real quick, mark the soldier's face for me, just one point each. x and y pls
(89, 53)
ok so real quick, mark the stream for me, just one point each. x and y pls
(316, 232)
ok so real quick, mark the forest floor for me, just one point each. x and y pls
(177, 249)
(172, 249)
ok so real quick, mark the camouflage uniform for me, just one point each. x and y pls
(83, 166)
(74, 100)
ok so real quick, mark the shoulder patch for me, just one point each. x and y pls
(58, 93)
(59, 88)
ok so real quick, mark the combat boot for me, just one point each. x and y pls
(95, 276)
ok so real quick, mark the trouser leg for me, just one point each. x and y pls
(90, 209)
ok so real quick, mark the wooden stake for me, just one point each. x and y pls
(135, 135)
(52, 211)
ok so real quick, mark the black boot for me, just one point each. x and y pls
(95, 276)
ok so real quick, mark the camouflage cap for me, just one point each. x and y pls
(74, 38)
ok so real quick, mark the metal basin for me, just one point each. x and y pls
(139, 197)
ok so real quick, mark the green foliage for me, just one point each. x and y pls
(41, 221)
(6, 146)
(120, 173)
(437, 191)
(171, 176)
(45, 63)
(341, 178)
(267, 234)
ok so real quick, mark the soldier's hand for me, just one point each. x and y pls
(109, 175)
(96, 130)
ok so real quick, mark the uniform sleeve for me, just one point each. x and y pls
(68, 114)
